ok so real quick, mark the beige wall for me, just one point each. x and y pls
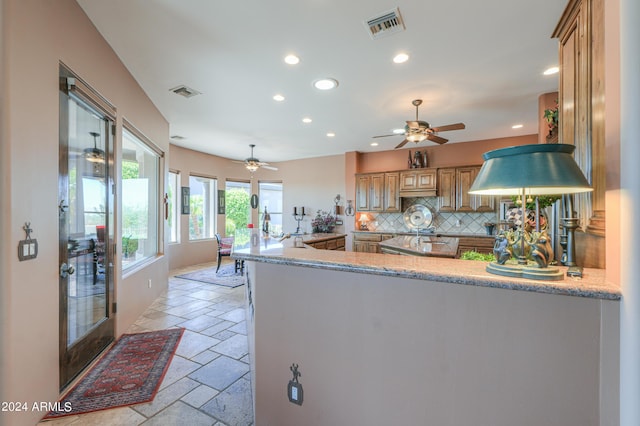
(385, 350)
(312, 183)
(37, 35)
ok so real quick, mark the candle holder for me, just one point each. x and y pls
(298, 215)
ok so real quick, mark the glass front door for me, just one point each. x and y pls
(85, 229)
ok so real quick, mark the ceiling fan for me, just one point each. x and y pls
(252, 164)
(417, 131)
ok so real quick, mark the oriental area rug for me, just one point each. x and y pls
(129, 373)
(226, 276)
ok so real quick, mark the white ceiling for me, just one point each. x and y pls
(477, 62)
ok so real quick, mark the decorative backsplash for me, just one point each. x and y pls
(471, 223)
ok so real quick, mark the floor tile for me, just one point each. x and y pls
(199, 396)
(234, 405)
(220, 373)
(166, 397)
(180, 413)
(193, 343)
(234, 347)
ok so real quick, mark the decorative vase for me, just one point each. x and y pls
(425, 160)
(410, 162)
(417, 160)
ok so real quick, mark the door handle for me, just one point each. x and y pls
(63, 207)
(66, 270)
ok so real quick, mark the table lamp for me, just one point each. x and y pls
(364, 218)
(528, 171)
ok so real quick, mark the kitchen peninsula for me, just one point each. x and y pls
(441, 340)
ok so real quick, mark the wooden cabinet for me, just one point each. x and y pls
(336, 243)
(378, 192)
(391, 192)
(368, 243)
(453, 191)
(418, 183)
(478, 244)
(581, 119)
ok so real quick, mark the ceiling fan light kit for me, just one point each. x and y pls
(418, 130)
(253, 164)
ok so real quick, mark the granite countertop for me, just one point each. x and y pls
(423, 245)
(454, 271)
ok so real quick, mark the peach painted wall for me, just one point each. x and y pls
(36, 36)
(387, 350)
(448, 155)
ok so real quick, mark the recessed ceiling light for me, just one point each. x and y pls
(374, 143)
(517, 126)
(401, 58)
(278, 98)
(552, 70)
(398, 131)
(292, 59)
(325, 84)
(331, 135)
(307, 120)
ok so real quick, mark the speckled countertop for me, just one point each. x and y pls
(455, 271)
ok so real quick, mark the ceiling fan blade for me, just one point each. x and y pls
(437, 139)
(269, 167)
(413, 124)
(385, 136)
(457, 126)
(401, 144)
(238, 161)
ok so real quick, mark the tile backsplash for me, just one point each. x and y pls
(471, 223)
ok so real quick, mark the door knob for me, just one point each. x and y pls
(66, 270)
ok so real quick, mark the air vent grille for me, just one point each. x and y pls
(385, 24)
(185, 91)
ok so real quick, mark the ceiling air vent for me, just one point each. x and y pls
(387, 23)
(185, 91)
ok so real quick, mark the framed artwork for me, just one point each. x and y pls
(221, 202)
(186, 195)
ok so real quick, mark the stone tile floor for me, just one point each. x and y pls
(208, 381)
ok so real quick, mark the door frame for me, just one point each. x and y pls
(74, 358)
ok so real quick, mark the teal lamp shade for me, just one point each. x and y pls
(538, 169)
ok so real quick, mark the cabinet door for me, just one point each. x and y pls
(391, 192)
(446, 190)
(362, 193)
(408, 181)
(464, 180)
(376, 194)
(426, 179)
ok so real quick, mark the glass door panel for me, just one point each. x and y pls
(86, 326)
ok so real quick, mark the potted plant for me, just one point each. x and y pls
(551, 117)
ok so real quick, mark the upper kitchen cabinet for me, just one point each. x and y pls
(377, 192)
(453, 191)
(581, 119)
(418, 183)
(580, 33)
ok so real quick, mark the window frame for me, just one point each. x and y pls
(159, 154)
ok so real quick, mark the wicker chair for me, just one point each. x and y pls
(224, 248)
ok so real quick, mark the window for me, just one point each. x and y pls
(140, 199)
(174, 216)
(238, 208)
(202, 208)
(271, 197)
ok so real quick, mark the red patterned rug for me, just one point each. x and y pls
(129, 373)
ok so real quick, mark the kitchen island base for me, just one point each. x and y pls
(378, 350)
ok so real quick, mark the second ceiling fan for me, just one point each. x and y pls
(418, 130)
